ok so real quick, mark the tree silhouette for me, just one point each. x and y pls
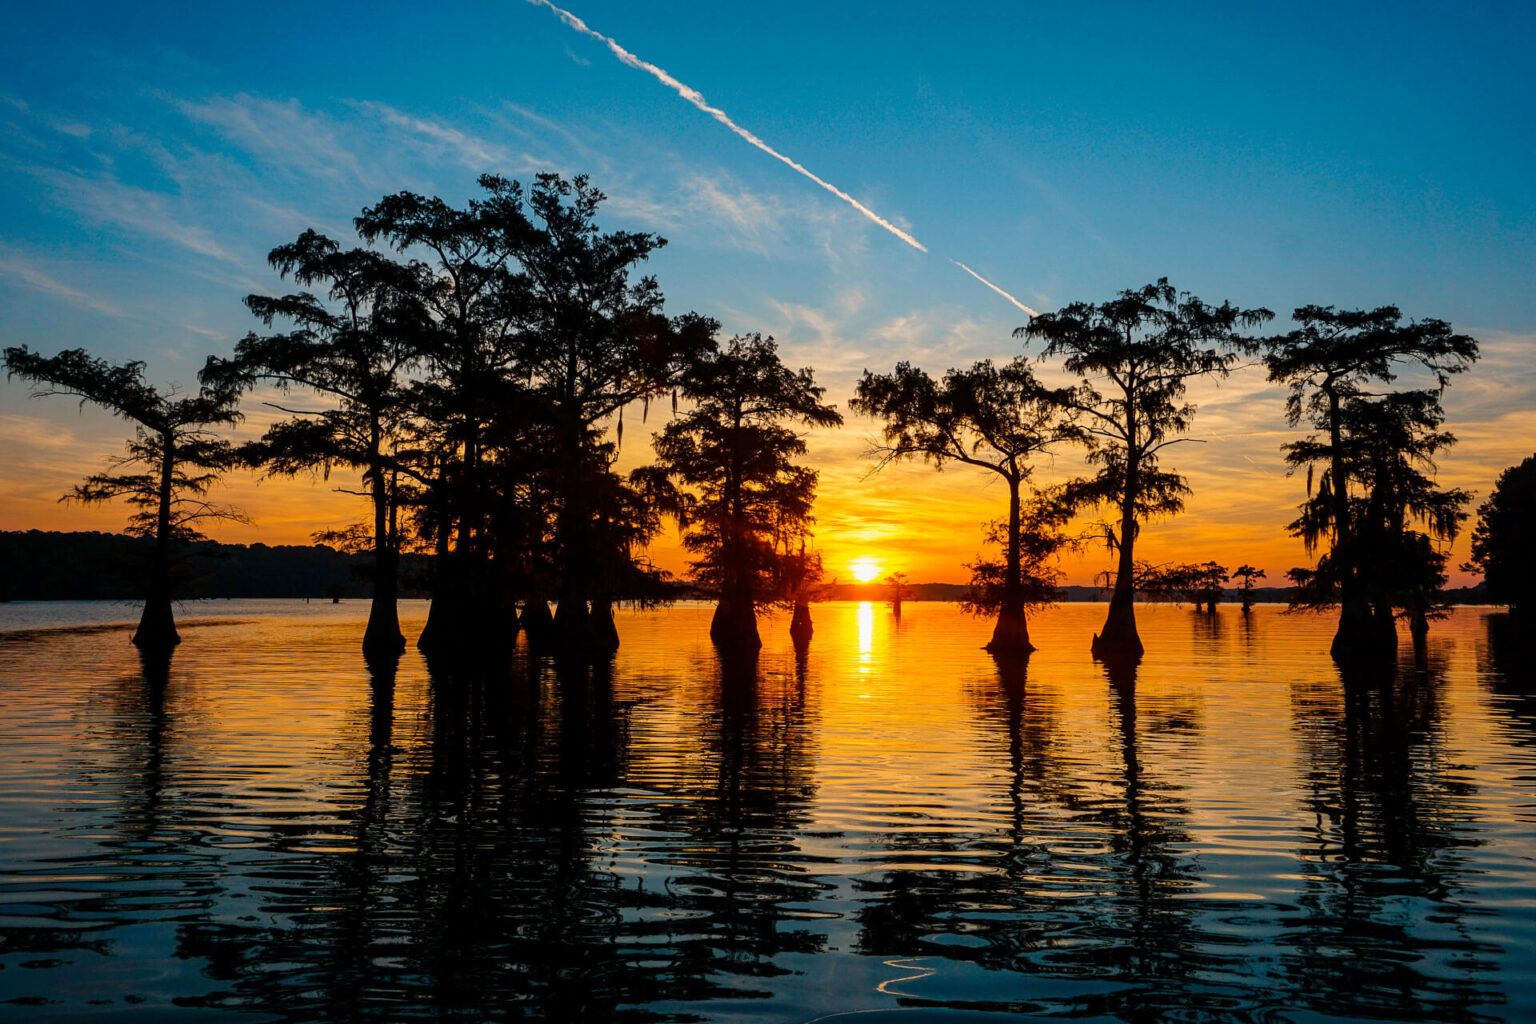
(800, 572)
(1502, 543)
(1387, 445)
(993, 418)
(1042, 519)
(897, 589)
(471, 396)
(1141, 348)
(1331, 357)
(1197, 582)
(1248, 574)
(170, 464)
(591, 342)
(733, 452)
(357, 355)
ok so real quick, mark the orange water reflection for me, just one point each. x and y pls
(887, 819)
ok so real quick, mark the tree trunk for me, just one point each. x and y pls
(1353, 638)
(537, 621)
(1119, 638)
(157, 624)
(1011, 634)
(734, 626)
(605, 633)
(438, 633)
(800, 627)
(383, 636)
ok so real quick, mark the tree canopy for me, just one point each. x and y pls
(995, 418)
(733, 453)
(1135, 355)
(170, 465)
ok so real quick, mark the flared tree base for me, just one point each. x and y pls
(734, 626)
(1011, 634)
(605, 632)
(1364, 636)
(383, 638)
(538, 622)
(800, 627)
(157, 627)
(1119, 641)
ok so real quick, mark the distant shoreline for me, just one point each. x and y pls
(39, 565)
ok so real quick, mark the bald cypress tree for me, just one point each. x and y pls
(1332, 358)
(354, 351)
(733, 451)
(995, 418)
(1136, 355)
(167, 471)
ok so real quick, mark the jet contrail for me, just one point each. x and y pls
(696, 98)
(994, 287)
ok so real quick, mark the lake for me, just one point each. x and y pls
(892, 826)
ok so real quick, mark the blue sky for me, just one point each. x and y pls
(1294, 154)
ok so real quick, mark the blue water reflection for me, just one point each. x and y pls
(886, 821)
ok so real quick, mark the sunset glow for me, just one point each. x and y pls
(864, 568)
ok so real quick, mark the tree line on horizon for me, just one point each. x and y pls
(475, 367)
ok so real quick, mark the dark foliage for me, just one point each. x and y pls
(746, 501)
(1136, 354)
(1504, 540)
(168, 468)
(996, 418)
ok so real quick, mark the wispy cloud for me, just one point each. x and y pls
(20, 269)
(148, 213)
(281, 132)
(478, 154)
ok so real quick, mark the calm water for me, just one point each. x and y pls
(890, 826)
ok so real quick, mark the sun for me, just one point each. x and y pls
(864, 568)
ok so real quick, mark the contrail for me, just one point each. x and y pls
(994, 287)
(696, 98)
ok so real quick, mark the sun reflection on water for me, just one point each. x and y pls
(866, 620)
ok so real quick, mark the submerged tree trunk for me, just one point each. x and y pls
(800, 626)
(1119, 638)
(437, 633)
(1357, 634)
(574, 629)
(157, 624)
(734, 625)
(537, 621)
(383, 636)
(604, 632)
(1011, 634)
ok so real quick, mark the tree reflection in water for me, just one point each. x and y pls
(1381, 927)
(1088, 882)
(489, 876)
(672, 837)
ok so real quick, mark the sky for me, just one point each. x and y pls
(823, 173)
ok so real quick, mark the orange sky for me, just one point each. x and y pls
(909, 518)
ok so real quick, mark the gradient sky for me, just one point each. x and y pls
(1298, 154)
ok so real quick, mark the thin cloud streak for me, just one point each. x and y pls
(696, 98)
(994, 287)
